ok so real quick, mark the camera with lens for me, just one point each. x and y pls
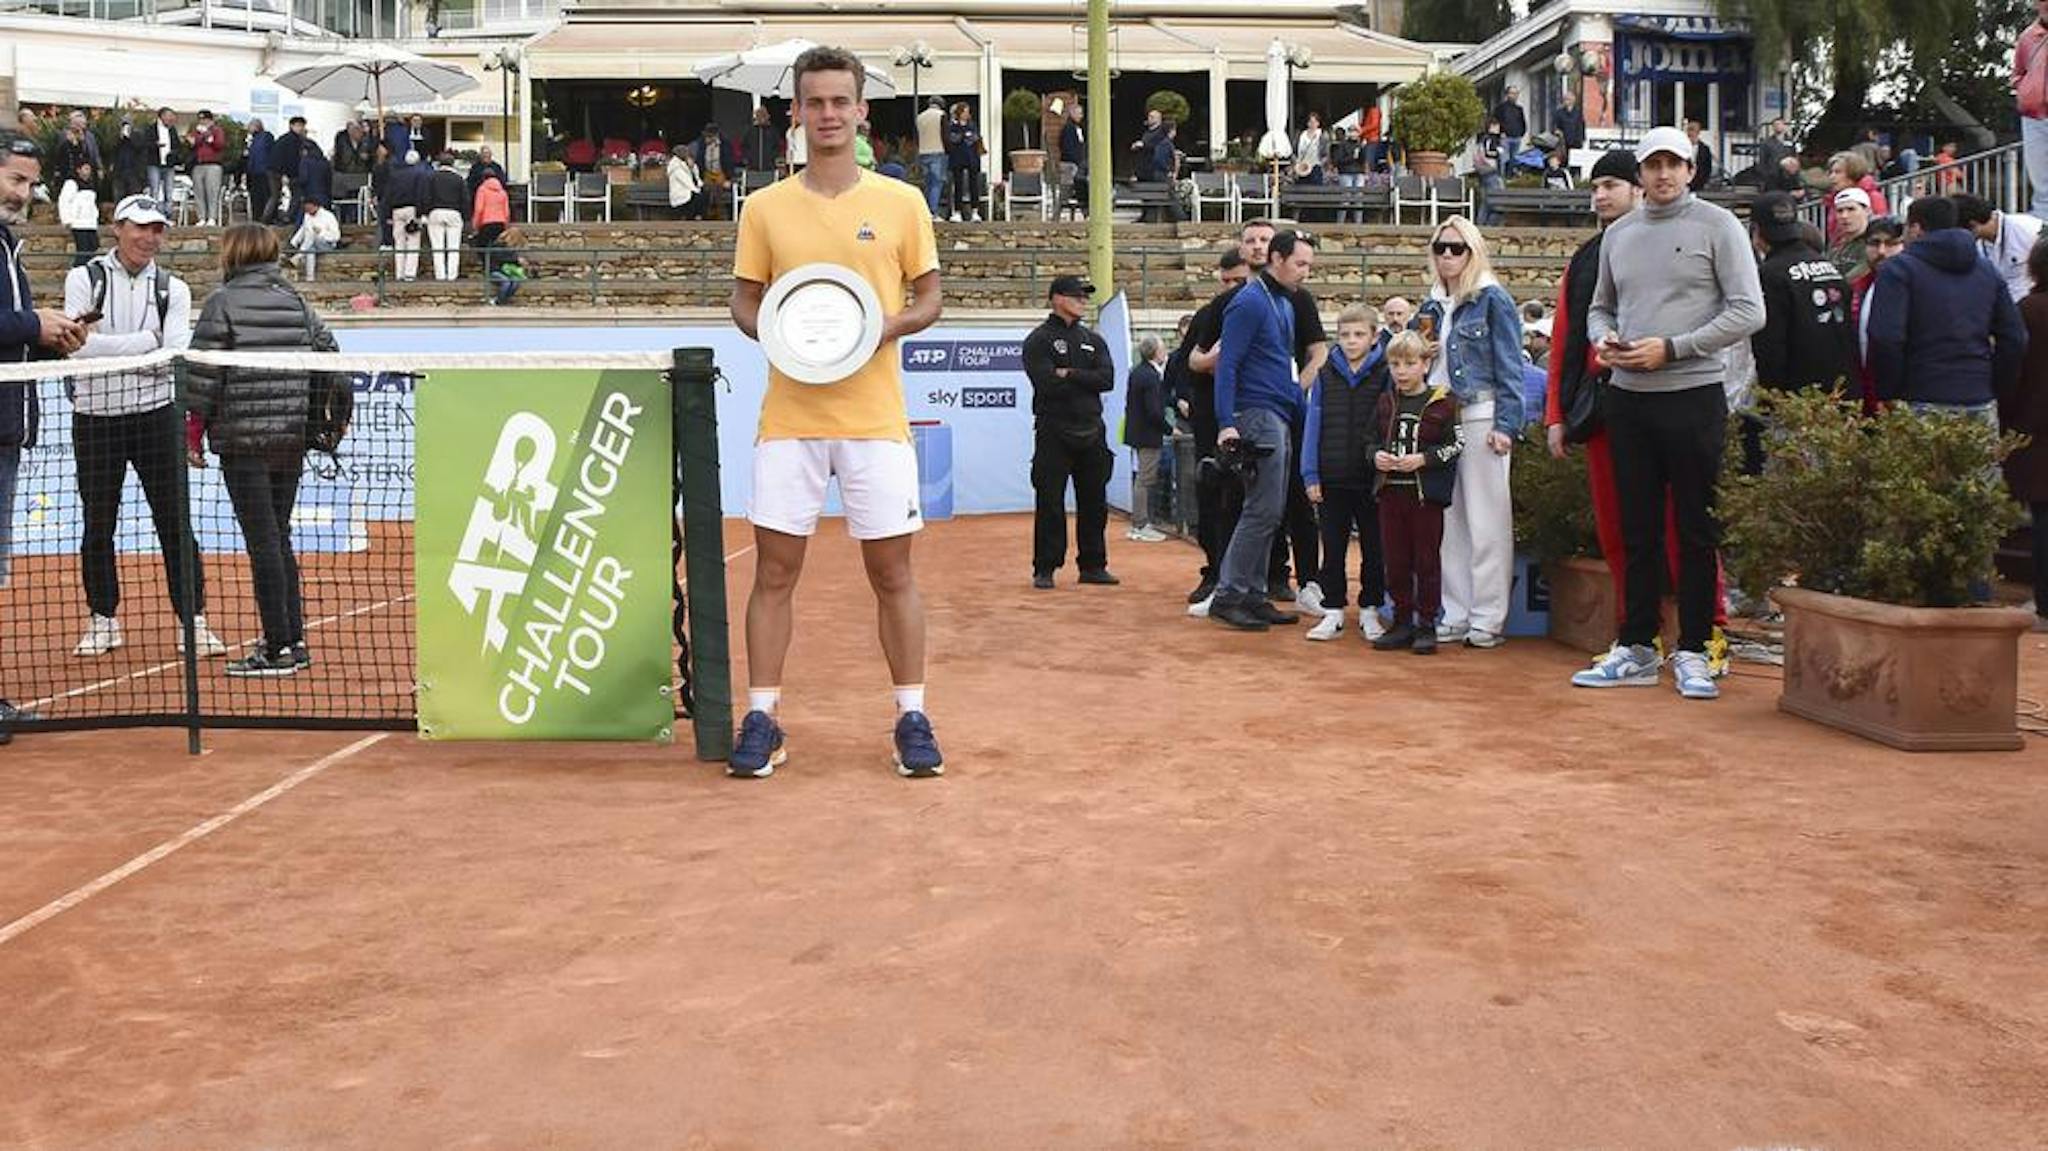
(1238, 458)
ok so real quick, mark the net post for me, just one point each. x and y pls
(188, 579)
(694, 404)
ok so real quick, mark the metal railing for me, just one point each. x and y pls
(1998, 176)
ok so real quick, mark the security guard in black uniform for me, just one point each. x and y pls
(1069, 369)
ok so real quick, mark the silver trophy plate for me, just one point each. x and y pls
(820, 323)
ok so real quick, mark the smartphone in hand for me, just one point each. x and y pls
(92, 317)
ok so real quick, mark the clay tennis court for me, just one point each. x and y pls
(1180, 887)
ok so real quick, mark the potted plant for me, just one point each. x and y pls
(1170, 105)
(1872, 534)
(1434, 117)
(1554, 528)
(1023, 108)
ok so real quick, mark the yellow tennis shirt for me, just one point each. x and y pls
(881, 229)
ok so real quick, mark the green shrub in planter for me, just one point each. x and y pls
(1438, 113)
(1553, 506)
(1170, 104)
(1023, 108)
(1899, 508)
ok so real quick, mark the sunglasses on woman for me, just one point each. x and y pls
(1450, 247)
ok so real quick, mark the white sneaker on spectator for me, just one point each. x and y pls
(1310, 598)
(1623, 666)
(1330, 627)
(209, 645)
(102, 635)
(1452, 633)
(1483, 639)
(956, 217)
(1146, 535)
(1201, 610)
(1694, 679)
(1370, 625)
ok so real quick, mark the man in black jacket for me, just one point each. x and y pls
(1514, 127)
(285, 153)
(1145, 431)
(1570, 125)
(1069, 369)
(1807, 339)
(406, 205)
(486, 166)
(1074, 150)
(1194, 393)
(26, 332)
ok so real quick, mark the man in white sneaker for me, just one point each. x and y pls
(126, 419)
(1678, 284)
(1145, 432)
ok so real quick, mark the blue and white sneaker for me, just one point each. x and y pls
(758, 751)
(1694, 675)
(1623, 666)
(917, 752)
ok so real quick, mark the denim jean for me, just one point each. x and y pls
(10, 468)
(160, 180)
(2034, 140)
(1490, 183)
(1265, 499)
(934, 164)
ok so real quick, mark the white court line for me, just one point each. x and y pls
(156, 854)
(159, 669)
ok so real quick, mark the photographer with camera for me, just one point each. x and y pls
(1257, 398)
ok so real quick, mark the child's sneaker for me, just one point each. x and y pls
(1717, 653)
(1329, 627)
(1310, 598)
(1624, 665)
(1370, 625)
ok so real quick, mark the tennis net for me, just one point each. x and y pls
(131, 594)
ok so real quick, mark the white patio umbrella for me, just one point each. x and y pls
(767, 71)
(1277, 142)
(377, 75)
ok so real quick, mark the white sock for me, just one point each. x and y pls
(764, 699)
(909, 697)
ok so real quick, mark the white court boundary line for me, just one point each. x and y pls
(156, 854)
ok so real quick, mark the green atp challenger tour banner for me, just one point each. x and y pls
(542, 555)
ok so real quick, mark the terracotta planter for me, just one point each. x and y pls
(1584, 611)
(1916, 678)
(1429, 165)
(1027, 160)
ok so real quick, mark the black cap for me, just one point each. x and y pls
(1776, 216)
(1620, 164)
(1887, 227)
(1071, 286)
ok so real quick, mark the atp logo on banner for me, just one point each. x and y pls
(505, 523)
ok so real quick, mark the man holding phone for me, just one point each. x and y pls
(1677, 285)
(133, 308)
(26, 333)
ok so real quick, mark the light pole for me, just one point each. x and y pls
(917, 58)
(505, 62)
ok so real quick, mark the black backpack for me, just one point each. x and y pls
(96, 275)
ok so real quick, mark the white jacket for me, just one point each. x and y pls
(78, 208)
(129, 326)
(682, 181)
(315, 228)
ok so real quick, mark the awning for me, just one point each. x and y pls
(672, 49)
(1341, 53)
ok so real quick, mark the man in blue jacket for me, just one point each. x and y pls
(1945, 335)
(256, 170)
(1258, 396)
(26, 332)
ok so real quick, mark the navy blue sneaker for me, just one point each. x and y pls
(758, 751)
(917, 752)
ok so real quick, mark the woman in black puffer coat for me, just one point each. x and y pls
(255, 419)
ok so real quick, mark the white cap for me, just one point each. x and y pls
(1537, 328)
(140, 209)
(1664, 140)
(1856, 196)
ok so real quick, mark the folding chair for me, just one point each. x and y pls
(348, 193)
(548, 188)
(1263, 193)
(1028, 189)
(1411, 193)
(1449, 196)
(1213, 190)
(237, 190)
(590, 188)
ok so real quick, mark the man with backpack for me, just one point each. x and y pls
(123, 419)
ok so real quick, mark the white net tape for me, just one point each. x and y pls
(368, 363)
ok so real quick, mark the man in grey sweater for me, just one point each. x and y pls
(1678, 285)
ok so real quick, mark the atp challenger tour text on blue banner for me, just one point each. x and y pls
(543, 563)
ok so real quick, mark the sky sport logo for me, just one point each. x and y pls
(557, 632)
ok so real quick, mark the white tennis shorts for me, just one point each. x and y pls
(877, 486)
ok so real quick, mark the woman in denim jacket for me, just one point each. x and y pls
(1479, 357)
